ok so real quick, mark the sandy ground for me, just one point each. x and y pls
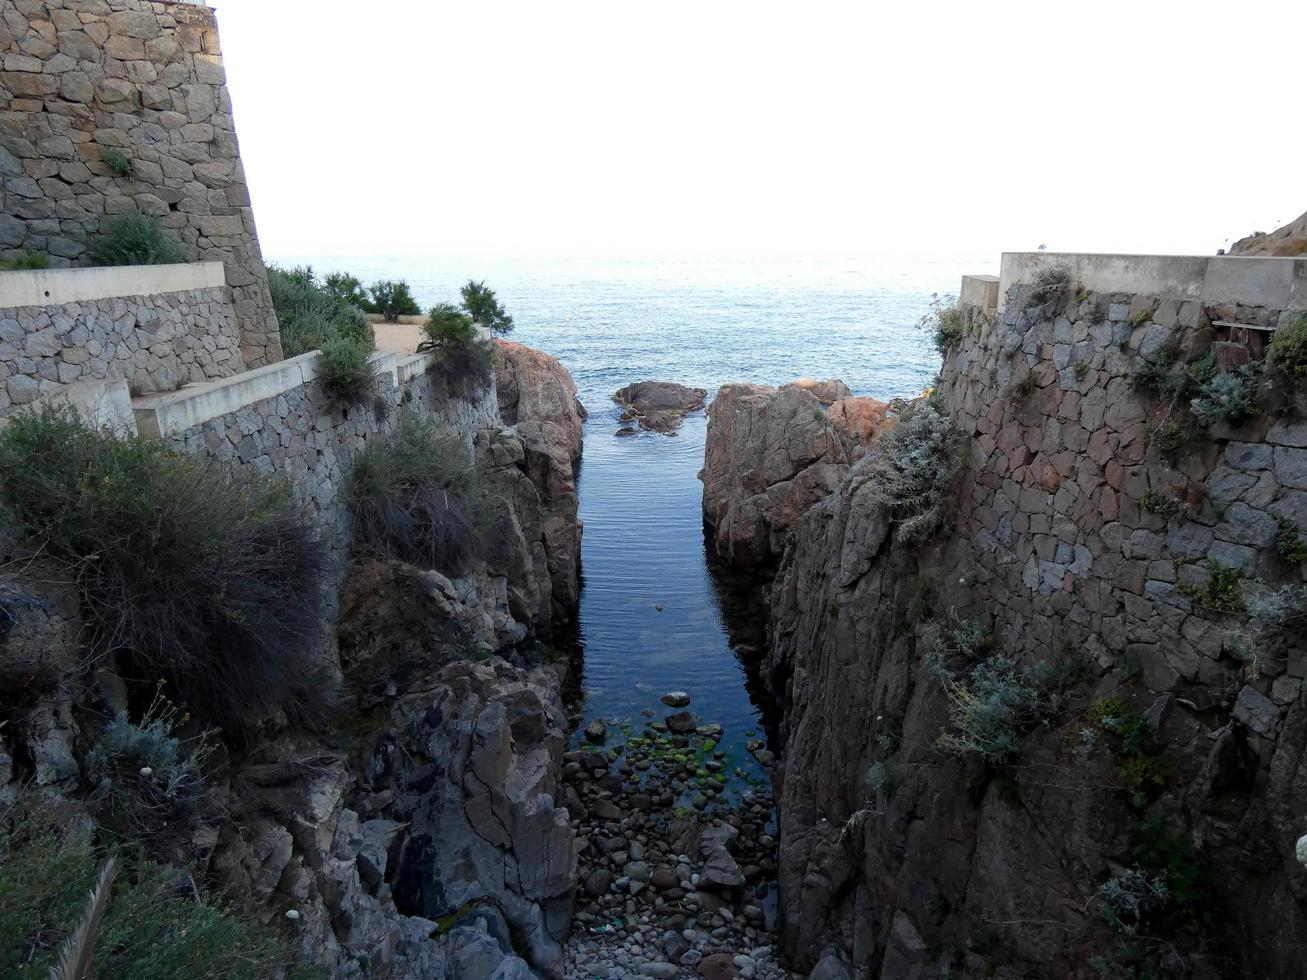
(398, 338)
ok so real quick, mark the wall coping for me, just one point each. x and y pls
(174, 412)
(55, 287)
(1278, 283)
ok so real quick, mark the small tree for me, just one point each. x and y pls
(392, 299)
(484, 308)
(347, 289)
(452, 332)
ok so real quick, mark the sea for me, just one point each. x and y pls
(657, 612)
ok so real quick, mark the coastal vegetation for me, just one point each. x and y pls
(188, 574)
(27, 260)
(483, 306)
(1288, 350)
(911, 465)
(133, 239)
(415, 496)
(344, 366)
(312, 313)
(392, 299)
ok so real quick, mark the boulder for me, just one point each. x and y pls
(857, 420)
(769, 455)
(827, 391)
(659, 406)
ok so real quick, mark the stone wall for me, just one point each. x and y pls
(155, 341)
(1079, 547)
(288, 424)
(145, 80)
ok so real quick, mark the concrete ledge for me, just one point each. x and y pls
(1278, 283)
(410, 366)
(104, 404)
(979, 291)
(55, 287)
(176, 411)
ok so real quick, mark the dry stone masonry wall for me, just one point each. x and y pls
(1092, 542)
(156, 343)
(145, 80)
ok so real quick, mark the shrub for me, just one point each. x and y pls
(347, 289)
(28, 260)
(185, 572)
(1289, 543)
(1140, 317)
(345, 368)
(1220, 592)
(882, 777)
(1127, 899)
(155, 926)
(141, 780)
(943, 322)
(1228, 398)
(133, 239)
(1171, 439)
(392, 299)
(310, 314)
(118, 163)
(989, 708)
(415, 496)
(1277, 622)
(463, 354)
(482, 305)
(1288, 350)
(1162, 503)
(910, 466)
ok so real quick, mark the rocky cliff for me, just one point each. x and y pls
(1290, 240)
(413, 832)
(1062, 737)
(770, 454)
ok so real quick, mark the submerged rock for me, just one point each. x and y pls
(596, 732)
(682, 722)
(659, 406)
(675, 699)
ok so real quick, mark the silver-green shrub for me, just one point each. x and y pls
(1229, 398)
(912, 465)
(1127, 899)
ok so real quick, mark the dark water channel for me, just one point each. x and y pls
(658, 612)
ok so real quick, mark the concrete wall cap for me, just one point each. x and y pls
(55, 287)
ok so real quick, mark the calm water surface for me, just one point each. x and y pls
(653, 615)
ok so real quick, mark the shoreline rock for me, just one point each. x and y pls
(659, 406)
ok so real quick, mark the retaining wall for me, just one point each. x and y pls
(156, 327)
(280, 420)
(145, 80)
(1065, 453)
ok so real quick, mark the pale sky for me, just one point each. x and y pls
(741, 128)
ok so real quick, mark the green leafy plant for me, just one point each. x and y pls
(1139, 317)
(1288, 350)
(882, 777)
(392, 299)
(347, 289)
(1162, 503)
(155, 925)
(143, 781)
(483, 306)
(1229, 398)
(943, 322)
(310, 313)
(345, 368)
(1220, 592)
(119, 164)
(415, 496)
(185, 572)
(464, 355)
(1289, 543)
(1277, 624)
(133, 239)
(1171, 439)
(27, 260)
(990, 707)
(909, 468)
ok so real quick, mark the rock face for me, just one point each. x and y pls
(827, 391)
(770, 454)
(659, 406)
(451, 821)
(1291, 240)
(858, 421)
(538, 397)
(896, 840)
